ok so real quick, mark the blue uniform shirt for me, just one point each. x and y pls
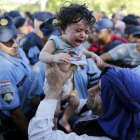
(136, 69)
(81, 78)
(15, 82)
(38, 78)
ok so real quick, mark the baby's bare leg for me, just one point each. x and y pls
(73, 104)
(56, 114)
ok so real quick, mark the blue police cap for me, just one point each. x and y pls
(104, 24)
(19, 21)
(32, 45)
(130, 20)
(7, 29)
(48, 28)
(42, 16)
(135, 30)
(13, 14)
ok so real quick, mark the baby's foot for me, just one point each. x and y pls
(65, 125)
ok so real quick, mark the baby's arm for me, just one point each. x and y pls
(46, 55)
(94, 56)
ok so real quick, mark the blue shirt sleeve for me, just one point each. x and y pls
(9, 98)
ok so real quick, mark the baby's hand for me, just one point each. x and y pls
(62, 58)
(97, 59)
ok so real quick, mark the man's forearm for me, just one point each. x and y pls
(52, 92)
(106, 64)
(20, 120)
(103, 65)
(35, 102)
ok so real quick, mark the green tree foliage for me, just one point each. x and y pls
(29, 7)
(108, 6)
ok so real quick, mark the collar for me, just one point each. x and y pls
(14, 60)
(111, 39)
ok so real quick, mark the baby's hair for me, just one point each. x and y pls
(73, 14)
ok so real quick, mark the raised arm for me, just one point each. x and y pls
(46, 53)
(94, 56)
(40, 127)
(106, 57)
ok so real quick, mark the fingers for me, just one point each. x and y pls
(91, 91)
(65, 58)
(98, 60)
(65, 61)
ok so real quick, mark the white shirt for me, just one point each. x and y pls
(40, 127)
(127, 53)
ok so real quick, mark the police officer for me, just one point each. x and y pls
(31, 42)
(21, 24)
(15, 81)
(38, 72)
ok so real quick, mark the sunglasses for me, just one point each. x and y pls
(98, 31)
(13, 40)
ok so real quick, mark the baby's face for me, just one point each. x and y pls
(76, 34)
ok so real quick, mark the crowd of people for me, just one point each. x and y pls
(54, 87)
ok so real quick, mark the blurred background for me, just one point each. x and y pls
(107, 6)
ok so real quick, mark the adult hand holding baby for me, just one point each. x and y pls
(56, 79)
(62, 58)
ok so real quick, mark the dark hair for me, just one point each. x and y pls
(73, 14)
(28, 14)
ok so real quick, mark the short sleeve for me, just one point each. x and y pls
(55, 41)
(119, 52)
(9, 98)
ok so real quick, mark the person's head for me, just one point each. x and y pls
(13, 14)
(29, 19)
(104, 29)
(48, 29)
(123, 7)
(39, 17)
(103, 15)
(20, 24)
(9, 42)
(134, 36)
(116, 17)
(94, 101)
(116, 98)
(27, 15)
(75, 21)
(92, 36)
(130, 20)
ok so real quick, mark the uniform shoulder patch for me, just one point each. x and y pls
(7, 96)
(4, 85)
(6, 91)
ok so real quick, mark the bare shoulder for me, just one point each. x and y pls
(49, 46)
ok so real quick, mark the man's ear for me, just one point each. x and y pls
(44, 40)
(62, 29)
(109, 30)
